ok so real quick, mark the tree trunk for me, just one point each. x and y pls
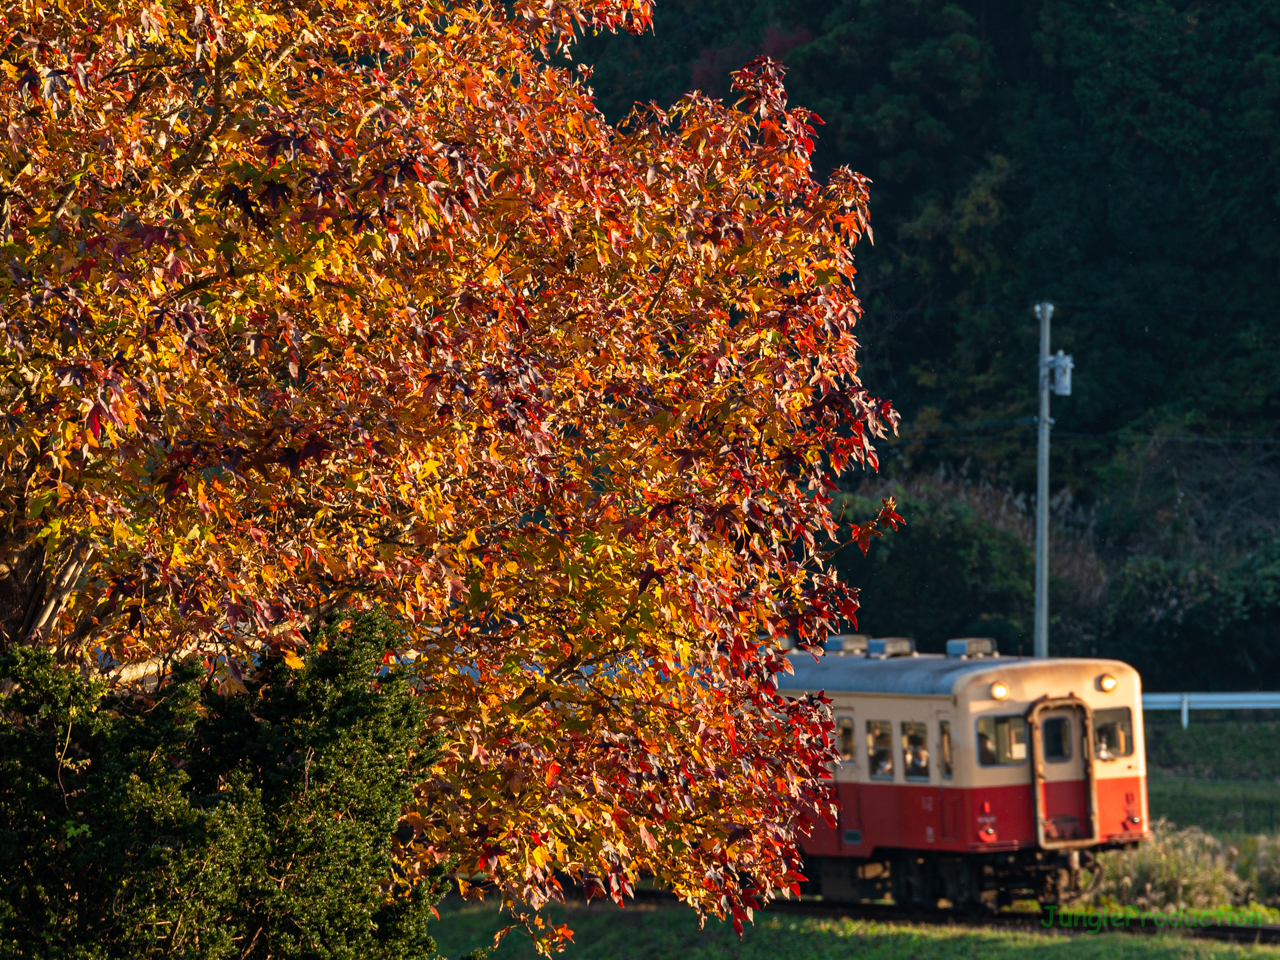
(23, 585)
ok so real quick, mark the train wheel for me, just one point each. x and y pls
(912, 876)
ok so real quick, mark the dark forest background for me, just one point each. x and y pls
(1120, 159)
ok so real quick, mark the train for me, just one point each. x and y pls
(968, 779)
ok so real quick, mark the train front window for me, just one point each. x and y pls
(844, 738)
(944, 752)
(1112, 733)
(1057, 739)
(1001, 741)
(915, 750)
(880, 749)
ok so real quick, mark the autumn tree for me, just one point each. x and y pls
(310, 307)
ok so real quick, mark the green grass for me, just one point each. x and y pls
(1218, 745)
(642, 932)
(1221, 807)
(1221, 774)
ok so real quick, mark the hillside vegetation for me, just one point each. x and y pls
(1118, 158)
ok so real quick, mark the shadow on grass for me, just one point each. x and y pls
(644, 932)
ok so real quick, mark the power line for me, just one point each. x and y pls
(1085, 436)
(964, 425)
(1140, 436)
(1172, 307)
(908, 440)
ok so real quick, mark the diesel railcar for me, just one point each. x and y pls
(972, 779)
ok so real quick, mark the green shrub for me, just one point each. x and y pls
(946, 573)
(192, 824)
(1164, 615)
(1259, 866)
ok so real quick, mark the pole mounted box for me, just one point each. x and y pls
(1063, 364)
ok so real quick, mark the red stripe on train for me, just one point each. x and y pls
(930, 817)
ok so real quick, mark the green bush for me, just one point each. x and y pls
(1164, 616)
(946, 573)
(188, 823)
(1258, 863)
(1266, 869)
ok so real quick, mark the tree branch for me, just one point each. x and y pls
(143, 669)
(63, 585)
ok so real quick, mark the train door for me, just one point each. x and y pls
(950, 800)
(1063, 772)
(923, 813)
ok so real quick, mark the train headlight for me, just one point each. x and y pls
(999, 691)
(1107, 683)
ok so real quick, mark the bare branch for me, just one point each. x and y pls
(64, 583)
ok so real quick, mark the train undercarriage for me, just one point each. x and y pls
(969, 882)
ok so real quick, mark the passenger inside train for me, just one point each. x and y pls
(915, 750)
(986, 751)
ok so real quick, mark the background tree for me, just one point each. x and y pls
(314, 306)
(1117, 158)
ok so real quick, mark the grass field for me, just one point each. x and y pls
(642, 932)
(1221, 807)
(1218, 745)
(1221, 774)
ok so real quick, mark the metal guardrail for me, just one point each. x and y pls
(1186, 702)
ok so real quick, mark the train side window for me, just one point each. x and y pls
(1057, 739)
(915, 750)
(844, 738)
(880, 749)
(944, 744)
(1112, 733)
(1002, 741)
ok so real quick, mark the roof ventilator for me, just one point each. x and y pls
(972, 648)
(847, 645)
(888, 647)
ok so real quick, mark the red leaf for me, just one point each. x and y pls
(94, 422)
(647, 837)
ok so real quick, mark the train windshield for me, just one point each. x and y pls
(1112, 733)
(915, 750)
(880, 749)
(1001, 741)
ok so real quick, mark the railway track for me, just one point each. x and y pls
(1025, 922)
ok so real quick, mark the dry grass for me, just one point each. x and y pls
(1176, 870)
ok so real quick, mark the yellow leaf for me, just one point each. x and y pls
(470, 541)
(292, 660)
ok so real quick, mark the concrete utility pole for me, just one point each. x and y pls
(1061, 366)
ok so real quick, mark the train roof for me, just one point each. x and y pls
(921, 675)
